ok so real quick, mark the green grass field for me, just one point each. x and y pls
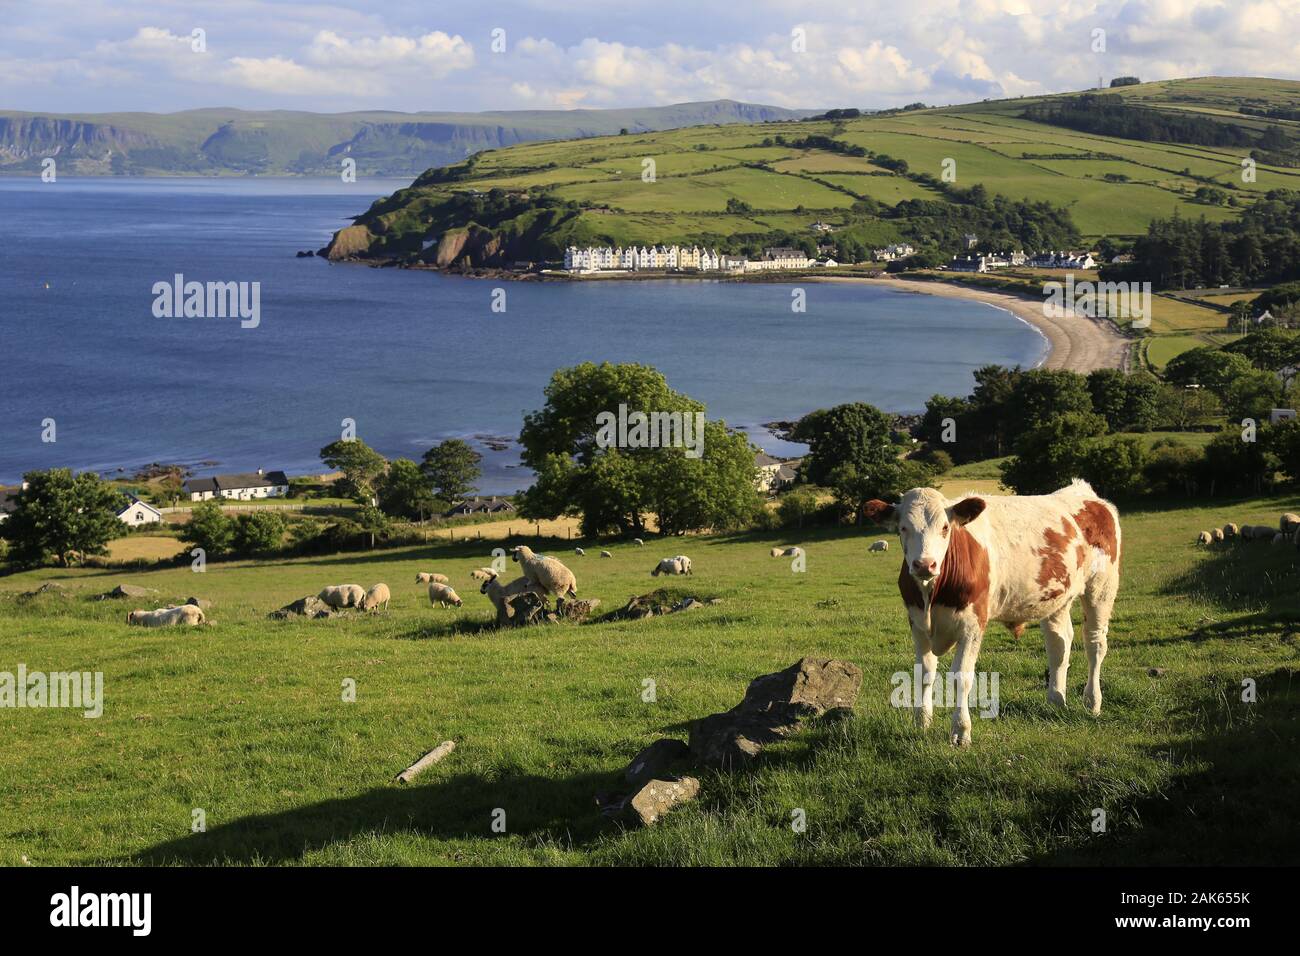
(245, 719)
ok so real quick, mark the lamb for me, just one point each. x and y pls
(879, 546)
(187, 614)
(342, 595)
(503, 595)
(424, 577)
(678, 565)
(481, 574)
(1204, 538)
(605, 554)
(579, 552)
(1217, 534)
(443, 595)
(550, 576)
(374, 597)
(786, 552)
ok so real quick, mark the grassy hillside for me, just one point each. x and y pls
(285, 142)
(244, 719)
(1108, 185)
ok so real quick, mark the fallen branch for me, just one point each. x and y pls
(427, 761)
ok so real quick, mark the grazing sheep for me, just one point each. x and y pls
(443, 595)
(481, 574)
(879, 546)
(1230, 530)
(638, 542)
(1204, 538)
(187, 614)
(605, 554)
(579, 552)
(1217, 534)
(503, 595)
(424, 577)
(1288, 523)
(548, 574)
(342, 595)
(678, 565)
(1261, 532)
(786, 552)
(374, 597)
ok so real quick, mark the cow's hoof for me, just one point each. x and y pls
(1056, 698)
(1092, 704)
(923, 720)
(960, 738)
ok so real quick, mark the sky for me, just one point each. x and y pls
(164, 55)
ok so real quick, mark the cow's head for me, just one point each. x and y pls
(925, 521)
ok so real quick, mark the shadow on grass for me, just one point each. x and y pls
(458, 808)
(1234, 805)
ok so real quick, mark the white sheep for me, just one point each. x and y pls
(187, 614)
(551, 576)
(879, 546)
(1205, 538)
(605, 554)
(502, 595)
(678, 565)
(1217, 534)
(443, 595)
(786, 552)
(1288, 523)
(579, 552)
(376, 596)
(342, 595)
(638, 542)
(482, 574)
(426, 577)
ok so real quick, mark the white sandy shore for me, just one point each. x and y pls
(1077, 343)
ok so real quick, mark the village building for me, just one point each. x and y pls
(773, 474)
(239, 487)
(135, 512)
(900, 250)
(479, 505)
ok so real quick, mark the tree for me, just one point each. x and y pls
(1041, 394)
(258, 532)
(1109, 396)
(372, 521)
(854, 434)
(63, 516)
(716, 491)
(797, 506)
(210, 529)
(404, 491)
(1207, 367)
(1115, 466)
(361, 466)
(1052, 454)
(452, 468)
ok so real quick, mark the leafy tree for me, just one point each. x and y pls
(1173, 468)
(1115, 466)
(854, 434)
(210, 529)
(372, 521)
(714, 491)
(1052, 454)
(1270, 350)
(1109, 396)
(797, 506)
(1207, 367)
(404, 491)
(1235, 465)
(361, 466)
(452, 468)
(62, 516)
(1252, 394)
(258, 532)
(1041, 394)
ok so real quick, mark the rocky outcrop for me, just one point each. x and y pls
(310, 607)
(126, 591)
(349, 242)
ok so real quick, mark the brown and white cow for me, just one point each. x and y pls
(1004, 558)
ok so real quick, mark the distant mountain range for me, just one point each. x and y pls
(210, 142)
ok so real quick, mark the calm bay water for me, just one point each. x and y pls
(413, 357)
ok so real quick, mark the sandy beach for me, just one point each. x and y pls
(1077, 343)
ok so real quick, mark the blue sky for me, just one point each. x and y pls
(88, 56)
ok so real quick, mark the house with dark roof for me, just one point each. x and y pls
(774, 473)
(480, 506)
(245, 486)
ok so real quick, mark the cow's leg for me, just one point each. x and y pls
(1098, 600)
(963, 678)
(1058, 635)
(926, 663)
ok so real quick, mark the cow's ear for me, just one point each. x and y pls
(967, 510)
(877, 510)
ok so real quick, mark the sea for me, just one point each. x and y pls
(93, 377)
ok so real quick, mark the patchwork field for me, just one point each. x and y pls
(245, 720)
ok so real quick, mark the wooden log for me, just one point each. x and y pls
(427, 761)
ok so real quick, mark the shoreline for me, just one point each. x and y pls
(1075, 343)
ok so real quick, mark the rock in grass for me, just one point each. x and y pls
(773, 707)
(310, 607)
(1155, 672)
(655, 761)
(657, 797)
(126, 591)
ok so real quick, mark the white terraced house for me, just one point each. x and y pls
(603, 258)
